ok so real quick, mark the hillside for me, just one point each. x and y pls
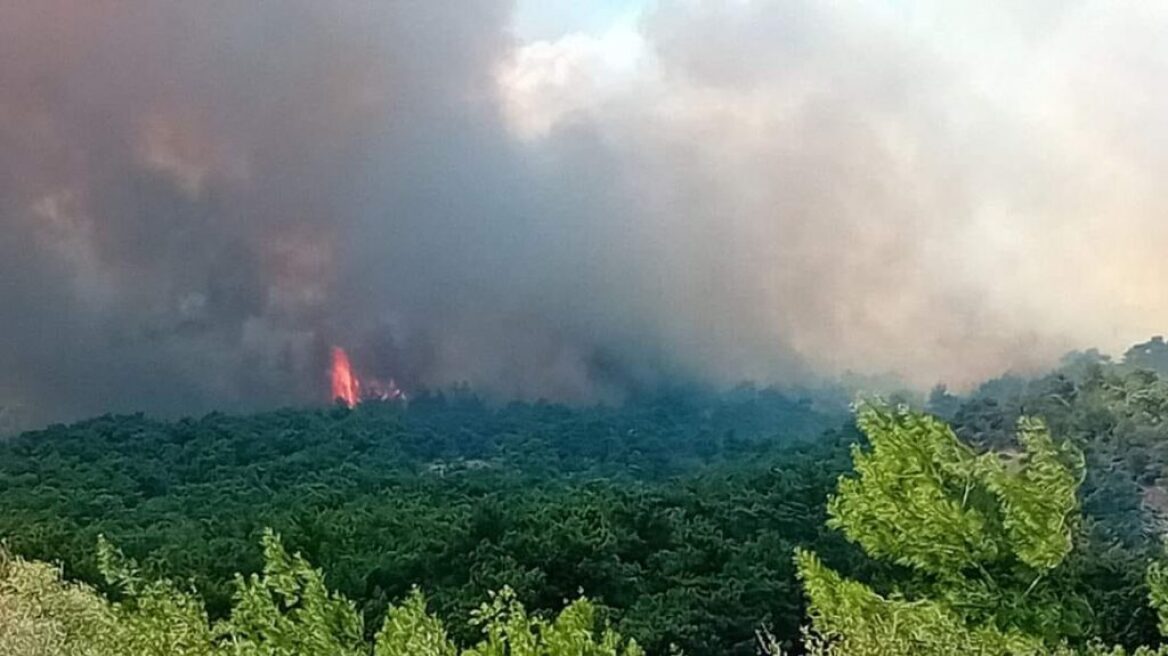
(677, 514)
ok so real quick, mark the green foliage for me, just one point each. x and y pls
(851, 619)
(1114, 413)
(928, 501)
(1158, 593)
(511, 631)
(915, 498)
(155, 618)
(1037, 496)
(675, 514)
(411, 631)
(287, 611)
(979, 534)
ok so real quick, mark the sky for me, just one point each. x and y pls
(537, 20)
(568, 200)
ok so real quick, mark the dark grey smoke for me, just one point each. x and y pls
(198, 198)
(194, 195)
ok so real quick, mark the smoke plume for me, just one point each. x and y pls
(200, 199)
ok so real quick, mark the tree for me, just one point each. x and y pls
(942, 403)
(1151, 355)
(286, 611)
(978, 535)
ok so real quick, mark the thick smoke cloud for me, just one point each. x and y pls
(197, 199)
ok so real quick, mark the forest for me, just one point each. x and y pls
(1024, 517)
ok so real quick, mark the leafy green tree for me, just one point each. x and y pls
(977, 534)
(154, 618)
(286, 611)
(411, 631)
(511, 631)
(980, 535)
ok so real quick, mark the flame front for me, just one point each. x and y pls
(345, 385)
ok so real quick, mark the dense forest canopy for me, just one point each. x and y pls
(676, 514)
(672, 508)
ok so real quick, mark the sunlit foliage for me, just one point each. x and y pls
(286, 611)
(980, 535)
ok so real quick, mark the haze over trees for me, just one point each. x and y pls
(1023, 518)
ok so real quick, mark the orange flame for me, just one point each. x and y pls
(345, 385)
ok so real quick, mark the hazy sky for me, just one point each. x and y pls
(568, 199)
(551, 19)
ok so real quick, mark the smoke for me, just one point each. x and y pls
(199, 199)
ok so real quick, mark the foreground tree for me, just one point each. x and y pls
(980, 537)
(285, 611)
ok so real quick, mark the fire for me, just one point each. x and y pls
(347, 387)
